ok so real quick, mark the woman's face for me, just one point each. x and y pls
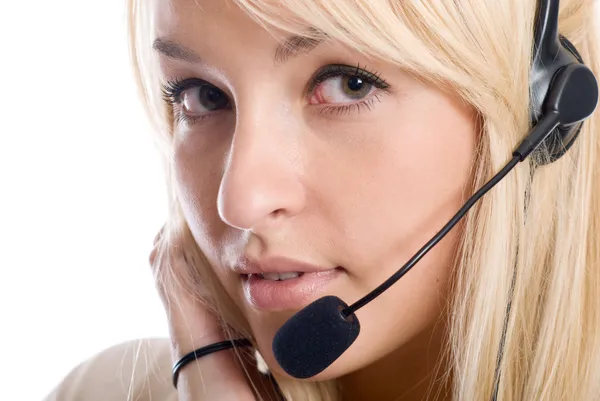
(325, 163)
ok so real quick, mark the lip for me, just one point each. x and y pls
(281, 295)
(276, 265)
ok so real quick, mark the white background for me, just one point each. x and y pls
(81, 194)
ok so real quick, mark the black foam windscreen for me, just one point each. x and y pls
(315, 337)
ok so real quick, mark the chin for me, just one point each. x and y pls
(338, 369)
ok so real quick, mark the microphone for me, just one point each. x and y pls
(320, 333)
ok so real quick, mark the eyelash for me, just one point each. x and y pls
(172, 90)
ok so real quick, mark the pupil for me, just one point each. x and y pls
(212, 98)
(213, 95)
(355, 83)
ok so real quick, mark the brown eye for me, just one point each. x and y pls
(202, 99)
(342, 89)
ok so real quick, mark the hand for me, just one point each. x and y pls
(191, 322)
(192, 325)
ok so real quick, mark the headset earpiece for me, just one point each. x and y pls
(577, 88)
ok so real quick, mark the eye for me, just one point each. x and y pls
(194, 98)
(199, 100)
(345, 89)
(342, 84)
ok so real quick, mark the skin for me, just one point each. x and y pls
(277, 174)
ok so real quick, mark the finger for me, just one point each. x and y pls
(152, 257)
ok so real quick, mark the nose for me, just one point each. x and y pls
(261, 184)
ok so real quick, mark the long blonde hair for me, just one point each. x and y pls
(533, 241)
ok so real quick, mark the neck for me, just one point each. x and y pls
(414, 371)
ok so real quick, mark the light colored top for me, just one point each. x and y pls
(133, 371)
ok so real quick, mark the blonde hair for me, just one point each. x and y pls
(533, 241)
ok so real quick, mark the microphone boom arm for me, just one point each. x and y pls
(433, 241)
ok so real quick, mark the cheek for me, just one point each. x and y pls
(197, 176)
(430, 154)
(429, 170)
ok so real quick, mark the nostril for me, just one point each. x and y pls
(277, 213)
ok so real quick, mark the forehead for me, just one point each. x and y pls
(208, 21)
(221, 36)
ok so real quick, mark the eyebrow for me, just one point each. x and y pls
(174, 50)
(289, 48)
(295, 45)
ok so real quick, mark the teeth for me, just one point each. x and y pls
(279, 276)
(270, 276)
(288, 275)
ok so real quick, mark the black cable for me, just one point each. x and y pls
(511, 292)
(497, 371)
(433, 241)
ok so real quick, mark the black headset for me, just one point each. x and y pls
(563, 93)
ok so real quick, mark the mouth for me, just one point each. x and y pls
(287, 290)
